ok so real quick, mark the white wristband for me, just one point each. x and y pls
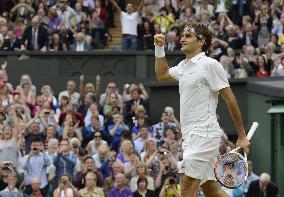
(159, 51)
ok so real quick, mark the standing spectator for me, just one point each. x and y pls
(65, 12)
(64, 161)
(70, 92)
(129, 21)
(36, 163)
(91, 187)
(164, 20)
(22, 10)
(262, 187)
(117, 127)
(111, 88)
(120, 189)
(54, 21)
(33, 132)
(132, 105)
(263, 21)
(35, 36)
(8, 145)
(80, 43)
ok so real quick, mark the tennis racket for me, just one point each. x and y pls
(231, 169)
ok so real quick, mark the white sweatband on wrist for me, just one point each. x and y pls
(159, 51)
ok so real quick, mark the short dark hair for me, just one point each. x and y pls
(202, 30)
(36, 139)
(142, 178)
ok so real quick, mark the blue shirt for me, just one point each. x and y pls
(115, 192)
(65, 164)
(118, 131)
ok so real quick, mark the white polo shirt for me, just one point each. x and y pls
(200, 80)
(129, 22)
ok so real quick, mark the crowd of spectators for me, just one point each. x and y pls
(247, 34)
(90, 142)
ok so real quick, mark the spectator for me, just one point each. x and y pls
(127, 89)
(64, 161)
(116, 128)
(126, 149)
(261, 63)
(56, 44)
(35, 37)
(89, 166)
(80, 43)
(129, 22)
(36, 163)
(101, 156)
(251, 177)
(120, 189)
(143, 136)
(35, 188)
(262, 187)
(172, 43)
(111, 88)
(65, 187)
(65, 12)
(26, 79)
(94, 144)
(164, 20)
(8, 145)
(70, 92)
(142, 189)
(22, 10)
(66, 35)
(91, 187)
(11, 189)
(141, 171)
(170, 187)
(132, 105)
(278, 69)
(130, 167)
(11, 43)
(54, 21)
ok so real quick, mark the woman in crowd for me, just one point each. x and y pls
(65, 187)
(142, 171)
(125, 150)
(94, 144)
(142, 188)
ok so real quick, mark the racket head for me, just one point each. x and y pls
(231, 170)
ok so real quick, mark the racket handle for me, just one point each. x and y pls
(252, 130)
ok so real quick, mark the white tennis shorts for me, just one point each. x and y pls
(199, 156)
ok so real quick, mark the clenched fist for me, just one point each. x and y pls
(159, 40)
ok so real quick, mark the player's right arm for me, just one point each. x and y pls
(161, 65)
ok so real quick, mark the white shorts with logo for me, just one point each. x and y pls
(199, 156)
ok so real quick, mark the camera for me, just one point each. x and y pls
(46, 113)
(172, 181)
(34, 149)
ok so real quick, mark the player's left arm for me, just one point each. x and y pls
(232, 104)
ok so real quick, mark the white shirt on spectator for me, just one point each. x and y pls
(66, 15)
(200, 79)
(129, 23)
(89, 3)
(139, 144)
(80, 46)
(73, 98)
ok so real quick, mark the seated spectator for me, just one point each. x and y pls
(48, 95)
(95, 124)
(11, 189)
(35, 188)
(66, 35)
(142, 188)
(262, 187)
(31, 33)
(112, 106)
(62, 107)
(101, 156)
(80, 43)
(56, 44)
(7, 168)
(174, 148)
(261, 63)
(70, 131)
(11, 43)
(172, 44)
(54, 21)
(91, 186)
(26, 79)
(22, 10)
(141, 171)
(65, 12)
(120, 188)
(138, 123)
(65, 187)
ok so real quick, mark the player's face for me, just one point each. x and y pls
(189, 42)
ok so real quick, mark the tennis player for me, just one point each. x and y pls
(200, 79)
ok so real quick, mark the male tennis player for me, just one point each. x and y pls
(200, 79)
